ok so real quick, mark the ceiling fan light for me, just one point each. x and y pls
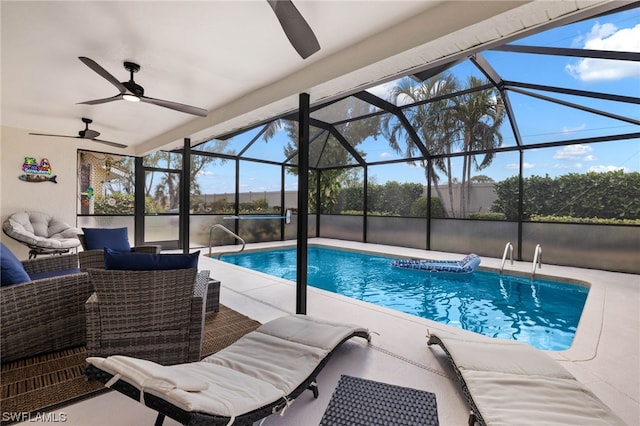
(131, 98)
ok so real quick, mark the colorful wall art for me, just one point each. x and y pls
(37, 172)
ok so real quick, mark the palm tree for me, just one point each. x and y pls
(432, 121)
(479, 115)
(167, 190)
(326, 151)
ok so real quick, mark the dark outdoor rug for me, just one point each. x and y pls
(357, 401)
(45, 382)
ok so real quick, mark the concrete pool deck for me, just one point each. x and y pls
(604, 355)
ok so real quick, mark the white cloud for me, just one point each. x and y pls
(590, 158)
(608, 37)
(567, 130)
(604, 169)
(385, 154)
(516, 166)
(567, 166)
(382, 90)
(573, 152)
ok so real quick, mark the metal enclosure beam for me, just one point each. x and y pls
(185, 191)
(303, 205)
(138, 202)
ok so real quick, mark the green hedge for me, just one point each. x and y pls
(598, 220)
(611, 195)
(390, 199)
(487, 216)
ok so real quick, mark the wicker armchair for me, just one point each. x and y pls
(95, 258)
(46, 314)
(155, 315)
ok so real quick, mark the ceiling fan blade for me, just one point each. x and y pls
(103, 73)
(114, 144)
(295, 27)
(175, 106)
(102, 101)
(89, 134)
(55, 136)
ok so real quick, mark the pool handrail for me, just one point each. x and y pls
(508, 248)
(228, 231)
(537, 258)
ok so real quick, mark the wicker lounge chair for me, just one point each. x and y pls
(510, 383)
(260, 374)
(156, 315)
(45, 314)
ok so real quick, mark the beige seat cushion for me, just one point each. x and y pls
(261, 368)
(512, 383)
(41, 230)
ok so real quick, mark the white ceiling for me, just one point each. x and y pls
(228, 57)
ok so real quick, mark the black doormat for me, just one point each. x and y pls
(357, 401)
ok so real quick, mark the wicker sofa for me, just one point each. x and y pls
(46, 314)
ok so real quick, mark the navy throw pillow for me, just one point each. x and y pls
(114, 238)
(12, 270)
(134, 261)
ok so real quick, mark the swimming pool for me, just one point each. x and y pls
(542, 313)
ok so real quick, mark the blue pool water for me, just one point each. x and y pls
(542, 313)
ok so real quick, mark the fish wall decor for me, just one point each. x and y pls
(38, 178)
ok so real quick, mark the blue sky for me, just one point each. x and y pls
(537, 120)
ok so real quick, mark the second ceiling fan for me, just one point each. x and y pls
(87, 133)
(131, 91)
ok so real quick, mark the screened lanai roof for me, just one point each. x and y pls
(578, 83)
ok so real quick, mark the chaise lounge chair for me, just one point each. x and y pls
(510, 383)
(261, 374)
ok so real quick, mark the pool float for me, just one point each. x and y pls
(465, 266)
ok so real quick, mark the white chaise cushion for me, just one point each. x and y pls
(310, 330)
(512, 383)
(270, 359)
(299, 341)
(221, 391)
(261, 368)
